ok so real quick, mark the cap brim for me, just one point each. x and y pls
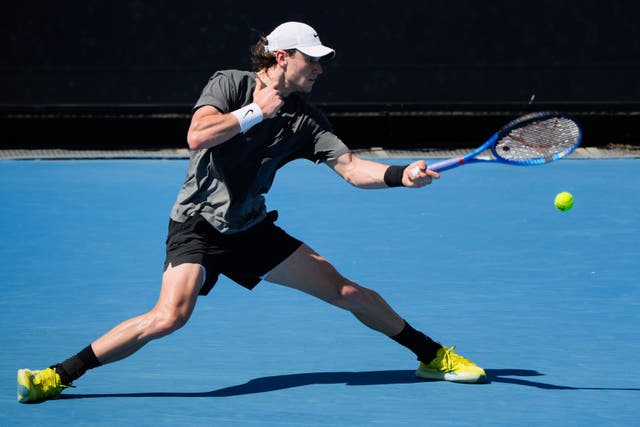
(317, 51)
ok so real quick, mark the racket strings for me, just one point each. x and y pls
(540, 141)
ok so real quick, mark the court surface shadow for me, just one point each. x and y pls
(281, 382)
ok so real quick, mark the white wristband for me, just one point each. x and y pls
(248, 116)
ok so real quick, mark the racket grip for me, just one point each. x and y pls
(439, 166)
(443, 165)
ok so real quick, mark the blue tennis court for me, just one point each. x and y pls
(547, 302)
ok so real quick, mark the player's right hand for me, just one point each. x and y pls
(268, 99)
(418, 175)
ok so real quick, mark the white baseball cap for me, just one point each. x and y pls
(296, 35)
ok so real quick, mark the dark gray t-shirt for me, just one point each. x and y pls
(225, 184)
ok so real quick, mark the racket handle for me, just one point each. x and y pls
(443, 165)
(439, 166)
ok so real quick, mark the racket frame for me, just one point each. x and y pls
(521, 121)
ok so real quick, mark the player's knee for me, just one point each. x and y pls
(350, 292)
(353, 295)
(166, 322)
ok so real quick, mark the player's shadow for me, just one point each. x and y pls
(281, 382)
(513, 376)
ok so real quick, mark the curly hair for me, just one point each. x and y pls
(260, 58)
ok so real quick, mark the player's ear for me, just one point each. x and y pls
(281, 57)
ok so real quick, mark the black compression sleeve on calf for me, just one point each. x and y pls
(75, 366)
(393, 176)
(423, 346)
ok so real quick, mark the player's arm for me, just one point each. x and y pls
(210, 127)
(363, 173)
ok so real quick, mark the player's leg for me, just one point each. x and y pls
(309, 272)
(178, 295)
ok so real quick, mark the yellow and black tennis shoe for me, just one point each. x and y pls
(449, 366)
(34, 386)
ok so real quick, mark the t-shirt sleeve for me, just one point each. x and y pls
(326, 145)
(220, 92)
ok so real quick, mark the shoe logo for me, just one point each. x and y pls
(249, 111)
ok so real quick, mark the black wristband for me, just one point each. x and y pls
(393, 176)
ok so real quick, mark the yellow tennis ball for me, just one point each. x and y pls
(564, 201)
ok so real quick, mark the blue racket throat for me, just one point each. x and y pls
(529, 140)
(454, 162)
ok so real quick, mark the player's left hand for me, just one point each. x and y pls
(417, 175)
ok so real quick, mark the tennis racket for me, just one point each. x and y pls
(529, 140)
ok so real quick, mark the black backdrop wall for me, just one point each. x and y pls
(153, 57)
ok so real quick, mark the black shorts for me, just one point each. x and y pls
(243, 257)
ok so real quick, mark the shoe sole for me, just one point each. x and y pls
(448, 376)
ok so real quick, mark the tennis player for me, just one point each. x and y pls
(245, 126)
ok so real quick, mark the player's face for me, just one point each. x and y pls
(302, 72)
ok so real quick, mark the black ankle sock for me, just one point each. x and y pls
(75, 366)
(423, 346)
